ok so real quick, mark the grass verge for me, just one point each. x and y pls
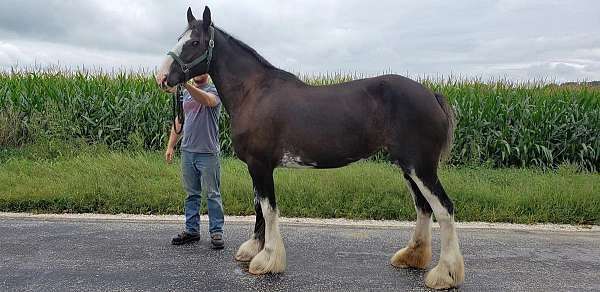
(114, 182)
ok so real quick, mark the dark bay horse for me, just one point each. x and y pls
(279, 121)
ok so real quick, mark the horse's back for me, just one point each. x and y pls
(393, 97)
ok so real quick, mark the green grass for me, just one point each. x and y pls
(121, 182)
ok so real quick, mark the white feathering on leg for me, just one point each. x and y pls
(417, 253)
(248, 250)
(272, 259)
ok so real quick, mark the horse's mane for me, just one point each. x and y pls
(281, 73)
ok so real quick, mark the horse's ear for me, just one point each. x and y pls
(190, 16)
(206, 20)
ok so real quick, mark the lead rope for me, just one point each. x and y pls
(177, 103)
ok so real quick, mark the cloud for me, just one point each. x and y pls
(515, 39)
(27, 54)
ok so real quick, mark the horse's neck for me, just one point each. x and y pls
(235, 73)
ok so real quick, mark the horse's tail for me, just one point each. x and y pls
(449, 111)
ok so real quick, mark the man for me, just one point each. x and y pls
(199, 159)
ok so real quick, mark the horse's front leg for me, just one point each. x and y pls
(272, 258)
(252, 247)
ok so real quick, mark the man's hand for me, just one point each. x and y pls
(201, 96)
(169, 155)
(161, 80)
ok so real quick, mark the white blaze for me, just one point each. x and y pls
(166, 64)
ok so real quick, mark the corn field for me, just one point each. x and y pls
(500, 123)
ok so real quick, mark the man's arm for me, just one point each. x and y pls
(172, 140)
(201, 96)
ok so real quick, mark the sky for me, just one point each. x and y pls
(510, 39)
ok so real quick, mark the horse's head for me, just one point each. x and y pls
(192, 55)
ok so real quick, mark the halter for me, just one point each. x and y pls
(185, 67)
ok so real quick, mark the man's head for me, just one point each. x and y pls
(200, 80)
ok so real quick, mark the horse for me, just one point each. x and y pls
(279, 121)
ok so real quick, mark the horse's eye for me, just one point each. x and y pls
(195, 43)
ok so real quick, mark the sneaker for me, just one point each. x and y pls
(184, 237)
(217, 241)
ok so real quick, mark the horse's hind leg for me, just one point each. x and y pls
(449, 271)
(417, 253)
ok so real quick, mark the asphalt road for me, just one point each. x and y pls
(59, 255)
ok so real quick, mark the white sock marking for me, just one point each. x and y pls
(272, 258)
(272, 234)
(450, 247)
(423, 223)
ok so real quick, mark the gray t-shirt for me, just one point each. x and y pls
(201, 125)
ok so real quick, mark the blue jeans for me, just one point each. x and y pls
(202, 171)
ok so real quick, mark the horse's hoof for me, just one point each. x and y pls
(412, 257)
(248, 250)
(268, 261)
(446, 275)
